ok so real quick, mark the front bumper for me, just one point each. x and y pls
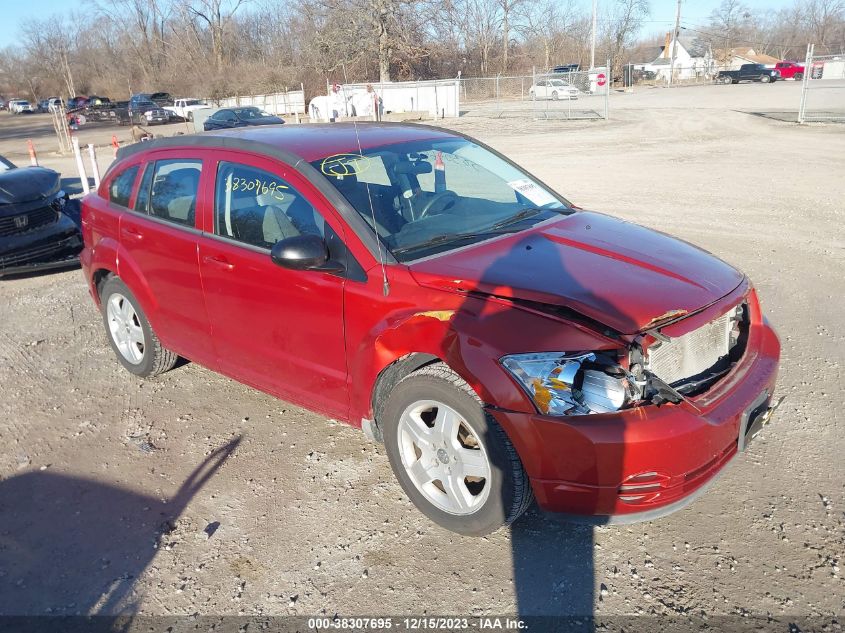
(56, 245)
(641, 463)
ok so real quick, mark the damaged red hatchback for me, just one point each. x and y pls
(502, 343)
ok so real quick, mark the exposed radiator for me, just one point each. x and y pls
(692, 353)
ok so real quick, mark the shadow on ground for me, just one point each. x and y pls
(71, 545)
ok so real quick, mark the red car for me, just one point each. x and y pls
(503, 343)
(790, 70)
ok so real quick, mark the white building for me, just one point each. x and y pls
(691, 61)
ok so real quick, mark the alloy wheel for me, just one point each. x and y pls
(125, 328)
(443, 457)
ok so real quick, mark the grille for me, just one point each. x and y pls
(35, 254)
(34, 219)
(693, 353)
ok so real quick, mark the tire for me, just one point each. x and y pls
(190, 116)
(140, 352)
(434, 466)
(554, 95)
(727, 80)
(765, 79)
(798, 76)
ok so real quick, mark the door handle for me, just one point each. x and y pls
(219, 261)
(133, 234)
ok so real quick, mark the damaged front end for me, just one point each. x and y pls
(653, 369)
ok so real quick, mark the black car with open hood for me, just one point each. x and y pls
(39, 227)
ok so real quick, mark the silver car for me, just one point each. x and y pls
(553, 89)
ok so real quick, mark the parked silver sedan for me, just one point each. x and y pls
(553, 89)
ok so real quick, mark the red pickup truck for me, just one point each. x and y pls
(790, 70)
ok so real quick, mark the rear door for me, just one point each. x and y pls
(277, 329)
(159, 239)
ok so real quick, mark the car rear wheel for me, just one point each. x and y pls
(554, 95)
(131, 336)
(765, 79)
(451, 458)
(190, 116)
(799, 76)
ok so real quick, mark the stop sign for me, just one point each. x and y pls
(601, 79)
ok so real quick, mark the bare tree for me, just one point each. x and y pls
(825, 17)
(623, 22)
(50, 43)
(217, 48)
(551, 24)
(217, 15)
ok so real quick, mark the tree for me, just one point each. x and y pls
(553, 23)
(623, 22)
(217, 15)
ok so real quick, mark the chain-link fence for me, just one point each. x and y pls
(822, 88)
(571, 95)
(659, 74)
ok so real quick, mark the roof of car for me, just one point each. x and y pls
(310, 141)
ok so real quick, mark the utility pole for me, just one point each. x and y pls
(593, 38)
(675, 43)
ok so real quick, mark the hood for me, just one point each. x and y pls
(620, 274)
(25, 184)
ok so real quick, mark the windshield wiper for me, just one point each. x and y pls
(496, 229)
(520, 215)
(449, 237)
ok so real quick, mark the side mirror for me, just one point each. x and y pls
(303, 252)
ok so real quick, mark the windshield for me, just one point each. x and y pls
(428, 196)
(250, 113)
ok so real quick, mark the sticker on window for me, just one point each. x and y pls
(536, 194)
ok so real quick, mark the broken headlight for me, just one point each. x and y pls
(573, 384)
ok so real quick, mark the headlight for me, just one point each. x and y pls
(572, 384)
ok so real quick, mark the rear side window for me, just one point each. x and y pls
(259, 208)
(120, 190)
(173, 191)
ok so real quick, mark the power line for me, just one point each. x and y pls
(736, 39)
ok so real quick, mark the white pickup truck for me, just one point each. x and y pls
(184, 108)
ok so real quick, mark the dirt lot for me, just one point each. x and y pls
(305, 516)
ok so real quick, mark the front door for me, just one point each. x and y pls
(277, 329)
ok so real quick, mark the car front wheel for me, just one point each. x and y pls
(765, 79)
(451, 458)
(131, 336)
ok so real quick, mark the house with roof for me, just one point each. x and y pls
(691, 60)
(732, 59)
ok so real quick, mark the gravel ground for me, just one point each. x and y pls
(191, 493)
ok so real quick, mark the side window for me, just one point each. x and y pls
(120, 189)
(259, 208)
(173, 191)
(142, 200)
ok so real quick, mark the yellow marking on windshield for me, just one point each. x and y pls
(340, 165)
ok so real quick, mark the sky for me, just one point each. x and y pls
(693, 12)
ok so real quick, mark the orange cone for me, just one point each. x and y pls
(33, 159)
